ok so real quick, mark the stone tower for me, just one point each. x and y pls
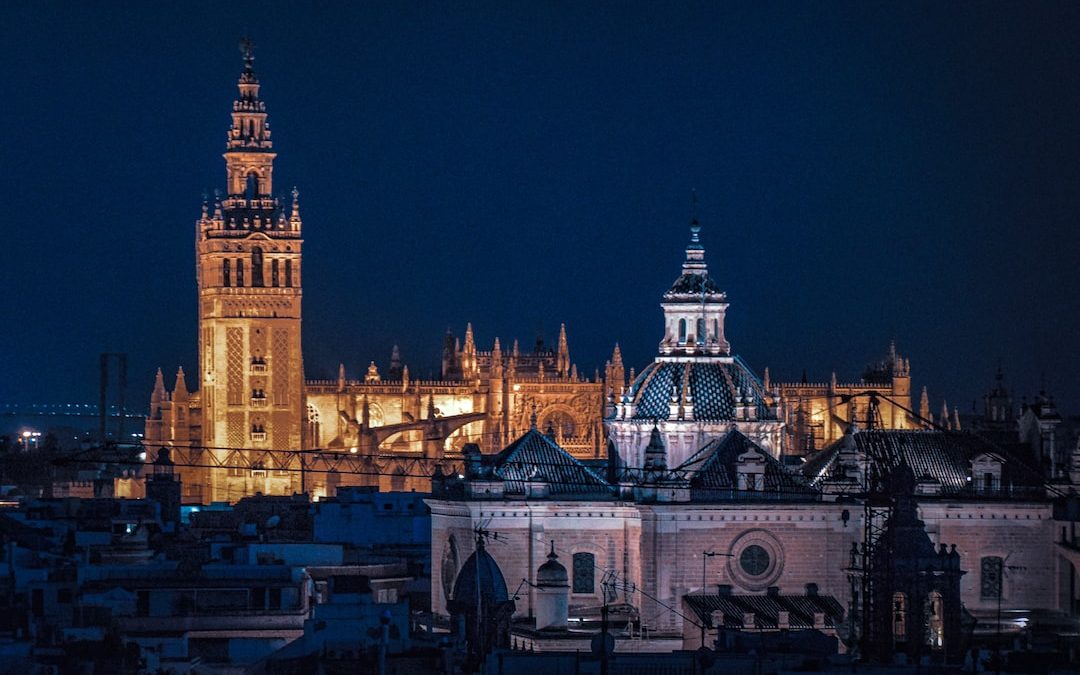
(249, 280)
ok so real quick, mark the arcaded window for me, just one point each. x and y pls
(256, 267)
(288, 274)
(240, 273)
(682, 330)
(899, 617)
(226, 273)
(251, 188)
(700, 337)
(935, 620)
(584, 573)
(274, 280)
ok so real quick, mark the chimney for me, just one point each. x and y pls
(783, 620)
(773, 591)
(819, 620)
(723, 590)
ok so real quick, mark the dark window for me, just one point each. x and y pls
(990, 582)
(240, 273)
(252, 187)
(988, 481)
(256, 267)
(63, 595)
(258, 598)
(37, 602)
(226, 276)
(275, 599)
(682, 330)
(584, 573)
(274, 273)
(754, 560)
(288, 274)
(700, 337)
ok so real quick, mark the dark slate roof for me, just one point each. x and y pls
(766, 609)
(943, 455)
(536, 457)
(714, 387)
(693, 284)
(713, 469)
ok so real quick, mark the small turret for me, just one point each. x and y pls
(924, 406)
(395, 364)
(158, 395)
(180, 391)
(552, 594)
(562, 361)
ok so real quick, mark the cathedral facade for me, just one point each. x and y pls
(885, 538)
(254, 424)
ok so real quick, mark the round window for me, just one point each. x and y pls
(754, 560)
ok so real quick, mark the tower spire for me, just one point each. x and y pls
(562, 361)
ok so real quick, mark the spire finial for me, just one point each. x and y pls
(247, 48)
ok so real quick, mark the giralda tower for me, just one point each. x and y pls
(249, 278)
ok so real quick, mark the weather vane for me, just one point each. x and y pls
(247, 48)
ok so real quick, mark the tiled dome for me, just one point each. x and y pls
(713, 387)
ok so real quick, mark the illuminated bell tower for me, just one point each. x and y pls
(249, 279)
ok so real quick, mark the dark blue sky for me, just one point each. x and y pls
(864, 170)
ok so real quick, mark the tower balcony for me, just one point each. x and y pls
(258, 398)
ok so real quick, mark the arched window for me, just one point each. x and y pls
(899, 617)
(313, 426)
(682, 331)
(256, 267)
(716, 330)
(701, 331)
(584, 573)
(935, 620)
(274, 281)
(240, 273)
(226, 273)
(251, 187)
(288, 273)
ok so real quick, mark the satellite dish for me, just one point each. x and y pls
(273, 521)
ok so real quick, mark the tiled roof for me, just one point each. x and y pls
(535, 457)
(713, 469)
(714, 389)
(766, 609)
(943, 455)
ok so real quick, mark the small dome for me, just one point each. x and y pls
(479, 579)
(552, 573)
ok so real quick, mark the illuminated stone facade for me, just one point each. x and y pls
(240, 433)
(482, 397)
(817, 414)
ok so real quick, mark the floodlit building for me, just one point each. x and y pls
(236, 433)
(697, 530)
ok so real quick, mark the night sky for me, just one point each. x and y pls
(864, 172)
